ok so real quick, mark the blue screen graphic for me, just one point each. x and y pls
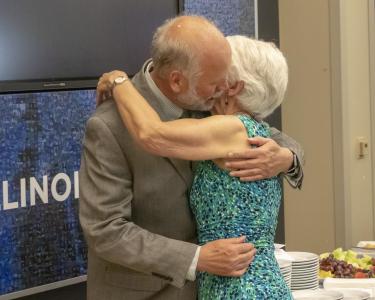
(40, 145)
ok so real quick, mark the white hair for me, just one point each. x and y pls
(170, 51)
(263, 69)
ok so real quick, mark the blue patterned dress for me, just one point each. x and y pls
(225, 207)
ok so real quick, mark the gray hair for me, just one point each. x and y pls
(264, 70)
(169, 51)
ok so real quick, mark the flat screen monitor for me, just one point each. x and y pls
(51, 44)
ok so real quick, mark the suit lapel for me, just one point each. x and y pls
(182, 167)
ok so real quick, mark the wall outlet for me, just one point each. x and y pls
(362, 147)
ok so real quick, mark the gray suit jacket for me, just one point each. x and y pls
(134, 212)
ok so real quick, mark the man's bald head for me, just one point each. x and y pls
(191, 59)
(184, 42)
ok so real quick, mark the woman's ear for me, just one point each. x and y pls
(177, 82)
(236, 88)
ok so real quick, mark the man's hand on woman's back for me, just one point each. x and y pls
(226, 257)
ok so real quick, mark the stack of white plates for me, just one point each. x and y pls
(305, 270)
(337, 294)
(353, 294)
(286, 270)
(317, 295)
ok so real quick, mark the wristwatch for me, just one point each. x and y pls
(119, 80)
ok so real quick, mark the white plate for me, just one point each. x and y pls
(353, 293)
(305, 272)
(307, 281)
(363, 244)
(363, 283)
(302, 262)
(307, 285)
(286, 273)
(313, 298)
(332, 294)
(289, 281)
(306, 268)
(299, 257)
(284, 263)
(286, 270)
(305, 277)
(306, 264)
(304, 286)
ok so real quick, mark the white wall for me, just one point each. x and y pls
(355, 85)
(326, 108)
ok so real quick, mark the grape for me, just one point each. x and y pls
(339, 268)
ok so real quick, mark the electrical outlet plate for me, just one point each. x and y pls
(362, 147)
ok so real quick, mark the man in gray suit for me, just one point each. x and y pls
(134, 207)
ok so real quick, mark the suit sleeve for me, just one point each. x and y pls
(106, 213)
(294, 176)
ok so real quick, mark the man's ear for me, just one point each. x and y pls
(236, 88)
(177, 82)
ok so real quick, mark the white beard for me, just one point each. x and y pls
(191, 101)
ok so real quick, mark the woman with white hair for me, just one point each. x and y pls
(224, 206)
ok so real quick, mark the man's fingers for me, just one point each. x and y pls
(243, 265)
(245, 248)
(258, 140)
(246, 173)
(247, 154)
(226, 257)
(236, 240)
(246, 256)
(245, 262)
(238, 273)
(242, 164)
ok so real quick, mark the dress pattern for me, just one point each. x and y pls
(225, 207)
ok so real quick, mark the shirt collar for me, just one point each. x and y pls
(171, 110)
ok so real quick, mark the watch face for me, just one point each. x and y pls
(119, 80)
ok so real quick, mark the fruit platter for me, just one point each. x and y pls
(346, 264)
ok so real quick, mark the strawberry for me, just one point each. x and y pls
(360, 275)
